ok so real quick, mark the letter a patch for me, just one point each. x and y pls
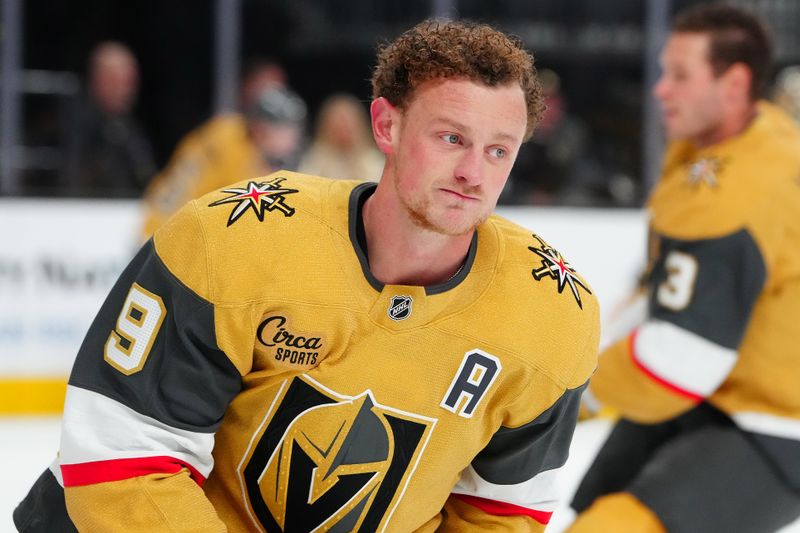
(476, 374)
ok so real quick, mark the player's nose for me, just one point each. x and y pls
(661, 89)
(470, 166)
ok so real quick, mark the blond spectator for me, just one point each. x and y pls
(342, 146)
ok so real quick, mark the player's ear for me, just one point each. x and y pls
(384, 124)
(738, 79)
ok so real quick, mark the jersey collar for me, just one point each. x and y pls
(358, 239)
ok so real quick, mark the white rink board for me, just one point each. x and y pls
(58, 260)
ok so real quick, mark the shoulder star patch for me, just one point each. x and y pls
(260, 197)
(705, 171)
(554, 266)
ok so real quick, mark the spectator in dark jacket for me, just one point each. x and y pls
(108, 153)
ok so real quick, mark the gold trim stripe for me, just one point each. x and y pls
(32, 396)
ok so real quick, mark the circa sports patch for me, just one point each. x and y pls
(556, 267)
(286, 345)
(260, 197)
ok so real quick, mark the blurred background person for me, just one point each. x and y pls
(556, 160)
(342, 146)
(787, 91)
(266, 136)
(260, 74)
(107, 151)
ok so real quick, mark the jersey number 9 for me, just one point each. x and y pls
(138, 323)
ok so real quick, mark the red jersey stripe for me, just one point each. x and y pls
(76, 475)
(658, 379)
(497, 508)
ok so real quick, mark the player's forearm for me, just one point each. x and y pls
(153, 503)
(625, 386)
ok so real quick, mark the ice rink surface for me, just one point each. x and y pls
(28, 445)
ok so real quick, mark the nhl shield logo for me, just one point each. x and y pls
(400, 307)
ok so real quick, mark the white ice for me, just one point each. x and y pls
(28, 446)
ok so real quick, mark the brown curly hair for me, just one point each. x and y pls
(445, 49)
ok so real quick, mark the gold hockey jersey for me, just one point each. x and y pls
(724, 291)
(248, 372)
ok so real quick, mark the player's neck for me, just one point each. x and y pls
(733, 124)
(402, 253)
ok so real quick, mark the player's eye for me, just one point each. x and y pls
(451, 138)
(498, 153)
(678, 75)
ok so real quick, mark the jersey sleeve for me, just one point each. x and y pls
(702, 293)
(513, 483)
(146, 395)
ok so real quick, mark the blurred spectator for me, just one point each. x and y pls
(276, 123)
(555, 158)
(343, 147)
(266, 136)
(107, 152)
(260, 74)
(787, 91)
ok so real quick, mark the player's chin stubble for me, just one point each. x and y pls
(421, 216)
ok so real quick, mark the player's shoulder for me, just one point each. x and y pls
(220, 130)
(738, 183)
(252, 229)
(280, 198)
(541, 306)
(532, 265)
(518, 245)
(780, 124)
(774, 141)
(222, 126)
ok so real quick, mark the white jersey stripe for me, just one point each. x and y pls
(56, 470)
(97, 428)
(682, 358)
(541, 492)
(766, 424)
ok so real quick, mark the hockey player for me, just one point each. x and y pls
(709, 439)
(293, 353)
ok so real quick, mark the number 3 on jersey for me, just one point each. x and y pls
(138, 323)
(676, 291)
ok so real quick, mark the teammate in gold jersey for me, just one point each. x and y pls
(294, 353)
(709, 439)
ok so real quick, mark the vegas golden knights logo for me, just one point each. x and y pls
(259, 197)
(329, 462)
(553, 265)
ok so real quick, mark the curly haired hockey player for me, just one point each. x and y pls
(294, 353)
